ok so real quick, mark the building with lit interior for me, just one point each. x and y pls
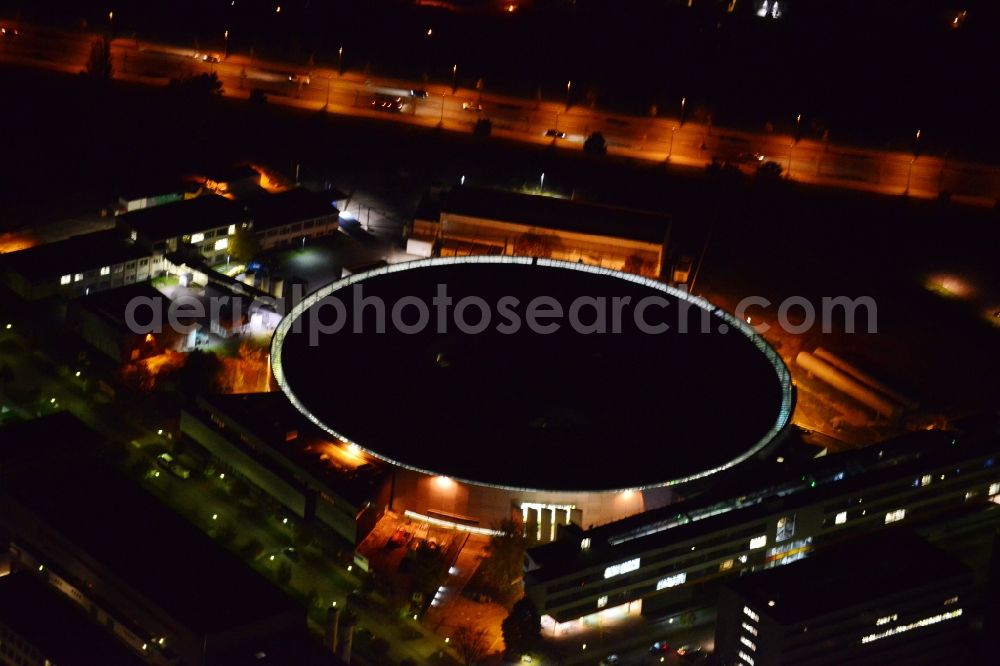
(549, 428)
(887, 599)
(672, 558)
(475, 221)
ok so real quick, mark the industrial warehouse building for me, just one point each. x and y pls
(887, 599)
(472, 220)
(667, 559)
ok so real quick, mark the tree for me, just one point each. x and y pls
(99, 61)
(283, 574)
(258, 97)
(503, 565)
(471, 644)
(483, 127)
(522, 627)
(428, 567)
(199, 374)
(198, 87)
(243, 245)
(595, 145)
(534, 245)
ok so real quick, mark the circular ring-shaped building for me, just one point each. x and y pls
(563, 391)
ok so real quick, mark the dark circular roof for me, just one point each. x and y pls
(561, 411)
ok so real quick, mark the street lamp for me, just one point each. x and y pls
(340, 61)
(683, 107)
(569, 88)
(541, 183)
(798, 127)
(454, 73)
(225, 36)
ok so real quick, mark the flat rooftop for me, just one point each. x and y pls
(129, 532)
(564, 411)
(271, 418)
(289, 207)
(77, 254)
(556, 213)
(851, 575)
(180, 218)
(56, 626)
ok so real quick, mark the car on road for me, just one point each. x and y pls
(291, 554)
(387, 103)
(419, 94)
(206, 57)
(9, 32)
(472, 106)
(555, 134)
(165, 460)
(180, 471)
(659, 647)
(749, 157)
(610, 659)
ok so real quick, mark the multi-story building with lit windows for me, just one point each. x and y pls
(78, 266)
(886, 599)
(203, 224)
(669, 558)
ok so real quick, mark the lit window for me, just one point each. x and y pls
(726, 566)
(841, 518)
(886, 620)
(745, 657)
(585, 543)
(925, 480)
(197, 238)
(221, 244)
(758, 541)
(785, 529)
(106, 270)
(994, 489)
(623, 568)
(749, 643)
(77, 277)
(749, 628)
(927, 621)
(950, 600)
(602, 601)
(894, 516)
(65, 279)
(672, 581)
(232, 229)
(750, 614)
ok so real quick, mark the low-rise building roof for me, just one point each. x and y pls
(289, 207)
(56, 626)
(110, 520)
(77, 254)
(186, 217)
(555, 213)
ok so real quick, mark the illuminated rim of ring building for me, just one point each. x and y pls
(781, 371)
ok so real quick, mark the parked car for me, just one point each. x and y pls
(554, 133)
(659, 647)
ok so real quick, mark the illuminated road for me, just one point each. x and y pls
(650, 138)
